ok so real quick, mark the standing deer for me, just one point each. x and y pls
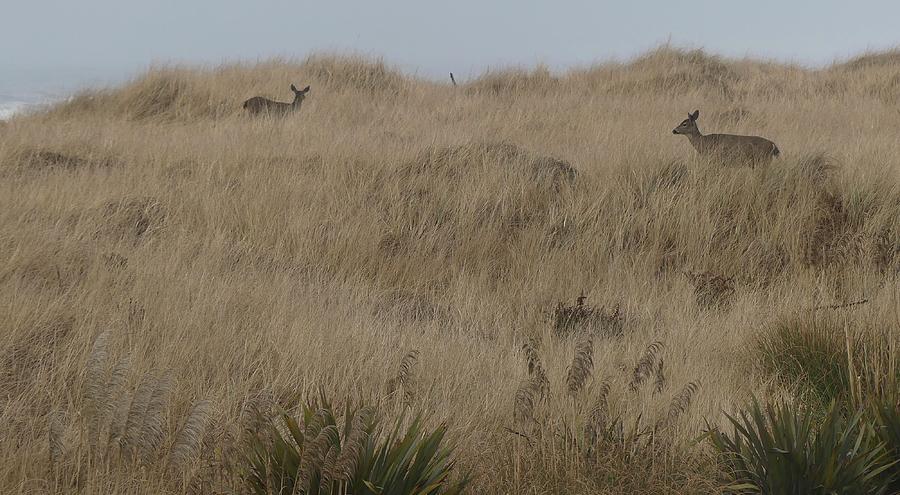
(259, 105)
(752, 149)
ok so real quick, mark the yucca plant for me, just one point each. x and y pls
(887, 424)
(317, 457)
(780, 450)
(412, 463)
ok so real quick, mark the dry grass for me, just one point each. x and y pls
(248, 262)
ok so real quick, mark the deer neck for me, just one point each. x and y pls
(698, 141)
(296, 103)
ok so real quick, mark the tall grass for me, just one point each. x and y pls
(826, 358)
(248, 262)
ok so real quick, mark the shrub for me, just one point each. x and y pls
(780, 450)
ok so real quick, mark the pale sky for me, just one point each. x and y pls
(46, 38)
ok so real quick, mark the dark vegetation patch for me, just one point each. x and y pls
(130, 219)
(115, 261)
(712, 291)
(578, 318)
(61, 159)
(53, 159)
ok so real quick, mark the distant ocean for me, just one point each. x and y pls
(15, 102)
(22, 90)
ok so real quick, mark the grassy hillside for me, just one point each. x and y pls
(161, 248)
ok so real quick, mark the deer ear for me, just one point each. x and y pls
(293, 88)
(694, 115)
(306, 89)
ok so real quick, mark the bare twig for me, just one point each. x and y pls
(514, 432)
(840, 306)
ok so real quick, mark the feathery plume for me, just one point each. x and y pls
(540, 383)
(134, 422)
(329, 466)
(405, 378)
(95, 393)
(645, 366)
(59, 425)
(314, 453)
(523, 409)
(582, 365)
(529, 348)
(660, 378)
(189, 440)
(154, 420)
(599, 414)
(315, 425)
(354, 444)
(255, 410)
(680, 404)
(118, 398)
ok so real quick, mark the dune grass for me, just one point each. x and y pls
(171, 264)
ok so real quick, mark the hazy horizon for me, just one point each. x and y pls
(103, 42)
(37, 81)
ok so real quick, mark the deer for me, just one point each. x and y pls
(259, 105)
(748, 149)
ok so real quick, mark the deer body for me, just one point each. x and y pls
(753, 149)
(259, 105)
